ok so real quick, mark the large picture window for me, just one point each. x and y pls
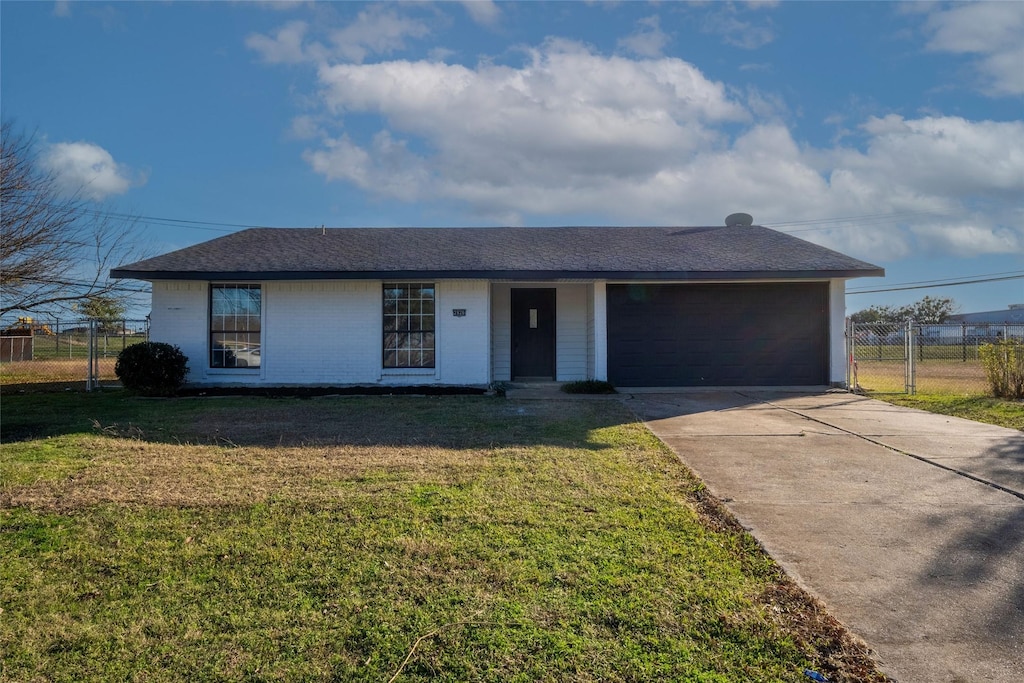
(235, 326)
(408, 325)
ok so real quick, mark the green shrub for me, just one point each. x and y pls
(588, 386)
(152, 368)
(1004, 367)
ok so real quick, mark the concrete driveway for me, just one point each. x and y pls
(908, 525)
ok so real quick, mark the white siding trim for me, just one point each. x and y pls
(837, 332)
(600, 326)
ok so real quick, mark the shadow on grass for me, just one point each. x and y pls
(423, 421)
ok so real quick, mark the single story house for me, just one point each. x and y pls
(734, 305)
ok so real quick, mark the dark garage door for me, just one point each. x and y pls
(718, 335)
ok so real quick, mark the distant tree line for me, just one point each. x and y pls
(928, 311)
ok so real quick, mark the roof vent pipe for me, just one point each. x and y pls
(736, 220)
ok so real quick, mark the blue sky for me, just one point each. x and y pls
(892, 132)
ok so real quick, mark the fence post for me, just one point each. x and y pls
(849, 354)
(911, 365)
(88, 359)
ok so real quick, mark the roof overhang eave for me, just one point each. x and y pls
(526, 275)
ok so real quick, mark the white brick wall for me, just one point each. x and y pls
(179, 317)
(322, 332)
(328, 332)
(463, 342)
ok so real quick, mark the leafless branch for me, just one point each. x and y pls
(55, 249)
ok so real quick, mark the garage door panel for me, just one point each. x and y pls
(724, 335)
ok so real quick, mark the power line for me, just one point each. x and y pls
(149, 220)
(942, 280)
(89, 284)
(852, 221)
(220, 226)
(946, 284)
(855, 219)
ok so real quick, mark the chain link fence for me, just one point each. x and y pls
(915, 358)
(38, 351)
(884, 357)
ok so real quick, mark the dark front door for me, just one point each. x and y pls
(533, 333)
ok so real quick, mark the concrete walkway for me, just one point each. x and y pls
(908, 525)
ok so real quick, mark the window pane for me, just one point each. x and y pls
(235, 326)
(408, 338)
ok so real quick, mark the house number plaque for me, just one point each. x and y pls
(459, 312)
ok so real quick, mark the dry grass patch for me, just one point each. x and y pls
(134, 472)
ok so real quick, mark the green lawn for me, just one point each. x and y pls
(447, 538)
(1004, 413)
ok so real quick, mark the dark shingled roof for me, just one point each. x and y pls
(738, 252)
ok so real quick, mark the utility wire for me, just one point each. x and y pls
(941, 280)
(854, 219)
(219, 226)
(151, 220)
(946, 284)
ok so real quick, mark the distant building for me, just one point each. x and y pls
(1013, 315)
(988, 325)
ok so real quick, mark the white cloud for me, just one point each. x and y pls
(375, 30)
(387, 168)
(969, 238)
(725, 21)
(284, 48)
(991, 30)
(947, 156)
(485, 12)
(648, 40)
(568, 117)
(62, 8)
(571, 132)
(88, 170)
(304, 127)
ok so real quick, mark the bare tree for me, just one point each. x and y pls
(55, 249)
